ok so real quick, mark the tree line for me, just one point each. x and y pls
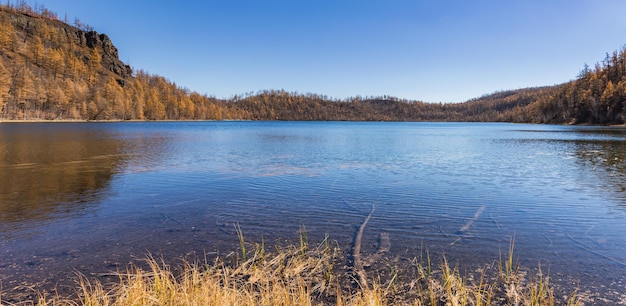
(50, 70)
(597, 96)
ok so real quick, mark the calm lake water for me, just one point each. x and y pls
(92, 197)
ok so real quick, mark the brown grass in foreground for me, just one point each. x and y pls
(301, 275)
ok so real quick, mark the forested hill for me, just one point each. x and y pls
(51, 70)
(597, 96)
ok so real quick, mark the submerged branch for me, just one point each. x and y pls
(356, 255)
(469, 223)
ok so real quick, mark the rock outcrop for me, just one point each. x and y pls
(34, 25)
(110, 57)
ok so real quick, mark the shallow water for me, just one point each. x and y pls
(92, 197)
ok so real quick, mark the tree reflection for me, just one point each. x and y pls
(606, 159)
(49, 171)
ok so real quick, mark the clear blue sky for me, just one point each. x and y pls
(437, 50)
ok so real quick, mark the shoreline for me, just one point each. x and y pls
(623, 125)
(310, 274)
(100, 121)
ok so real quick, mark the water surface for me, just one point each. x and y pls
(92, 197)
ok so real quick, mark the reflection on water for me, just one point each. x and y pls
(95, 197)
(607, 161)
(50, 171)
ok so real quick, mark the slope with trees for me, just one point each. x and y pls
(597, 96)
(51, 70)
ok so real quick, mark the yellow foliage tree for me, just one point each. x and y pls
(6, 34)
(95, 60)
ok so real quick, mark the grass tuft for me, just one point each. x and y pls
(308, 275)
(242, 241)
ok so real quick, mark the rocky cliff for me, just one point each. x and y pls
(110, 58)
(28, 27)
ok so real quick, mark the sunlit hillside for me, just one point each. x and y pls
(51, 70)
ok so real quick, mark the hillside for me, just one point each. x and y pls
(280, 105)
(597, 96)
(50, 70)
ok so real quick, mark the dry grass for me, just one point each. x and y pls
(304, 275)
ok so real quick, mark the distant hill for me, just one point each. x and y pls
(50, 70)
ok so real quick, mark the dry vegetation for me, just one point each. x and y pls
(305, 275)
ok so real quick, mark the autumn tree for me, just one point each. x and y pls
(6, 35)
(5, 82)
(55, 62)
(94, 64)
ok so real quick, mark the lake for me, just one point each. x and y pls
(92, 197)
